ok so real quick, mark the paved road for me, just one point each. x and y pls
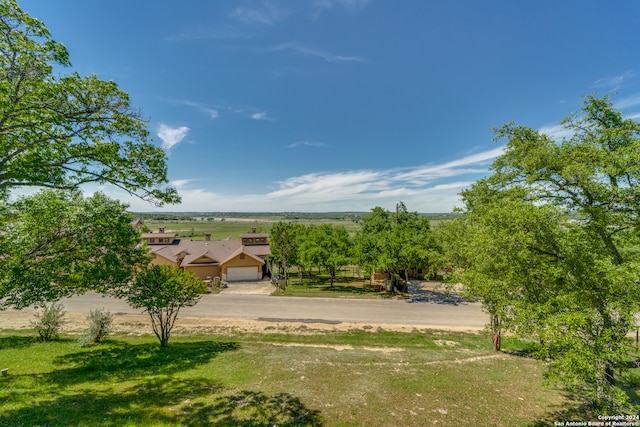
(462, 315)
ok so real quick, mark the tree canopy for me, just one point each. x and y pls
(327, 246)
(549, 243)
(61, 131)
(58, 132)
(58, 243)
(396, 242)
(284, 243)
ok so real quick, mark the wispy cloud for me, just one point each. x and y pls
(559, 131)
(613, 83)
(425, 188)
(628, 102)
(307, 144)
(216, 110)
(171, 136)
(471, 164)
(556, 132)
(211, 112)
(262, 115)
(265, 13)
(311, 52)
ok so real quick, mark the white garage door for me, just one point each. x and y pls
(235, 274)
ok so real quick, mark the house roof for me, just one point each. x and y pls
(258, 250)
(186, 252)
(254, 235)
(157, 235)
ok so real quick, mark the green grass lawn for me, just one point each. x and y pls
(343, 287)
(355, 378)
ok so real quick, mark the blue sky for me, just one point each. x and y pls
(343, 105)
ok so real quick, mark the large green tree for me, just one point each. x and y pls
(61, 131)
(549, 242)
(326, 246)
(395, 243)
(58, 243)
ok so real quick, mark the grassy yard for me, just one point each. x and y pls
(312, 378)
(343, 287)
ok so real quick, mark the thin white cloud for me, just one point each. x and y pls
(556, 132)
(431, 188)
(315, 53)
(211, 112)
(171, 136)
(265, 13)
(262, 115)
(215, 111)
(307, 144)
(464, 166)
(613, 83)
(628, 102)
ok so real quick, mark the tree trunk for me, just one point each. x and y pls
(496, 332)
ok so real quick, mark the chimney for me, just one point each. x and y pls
(161, 229)
(207, 236)
(253, 229)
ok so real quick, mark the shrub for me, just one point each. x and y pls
(49, 323)
(100, 321)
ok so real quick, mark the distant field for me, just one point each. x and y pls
(233, 227)
(194, 225)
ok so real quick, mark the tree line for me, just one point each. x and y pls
(389, 243)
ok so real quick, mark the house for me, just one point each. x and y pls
(161, 237)
(229, 259)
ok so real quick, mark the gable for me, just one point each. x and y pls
(242, 259)
(204, 259)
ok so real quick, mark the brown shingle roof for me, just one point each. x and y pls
(218, 251)
(158, 235)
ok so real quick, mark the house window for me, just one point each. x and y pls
(152, 240)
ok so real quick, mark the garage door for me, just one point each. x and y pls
(235, 274)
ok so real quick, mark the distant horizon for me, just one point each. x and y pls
(264, 213)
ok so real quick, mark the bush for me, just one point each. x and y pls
(100, 321)
(49, 324)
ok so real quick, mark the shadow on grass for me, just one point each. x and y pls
(580, 410)
(16, 341)
(165, 401)
(579, 413)
(342, 288)
(249, 408)
(120, 360)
